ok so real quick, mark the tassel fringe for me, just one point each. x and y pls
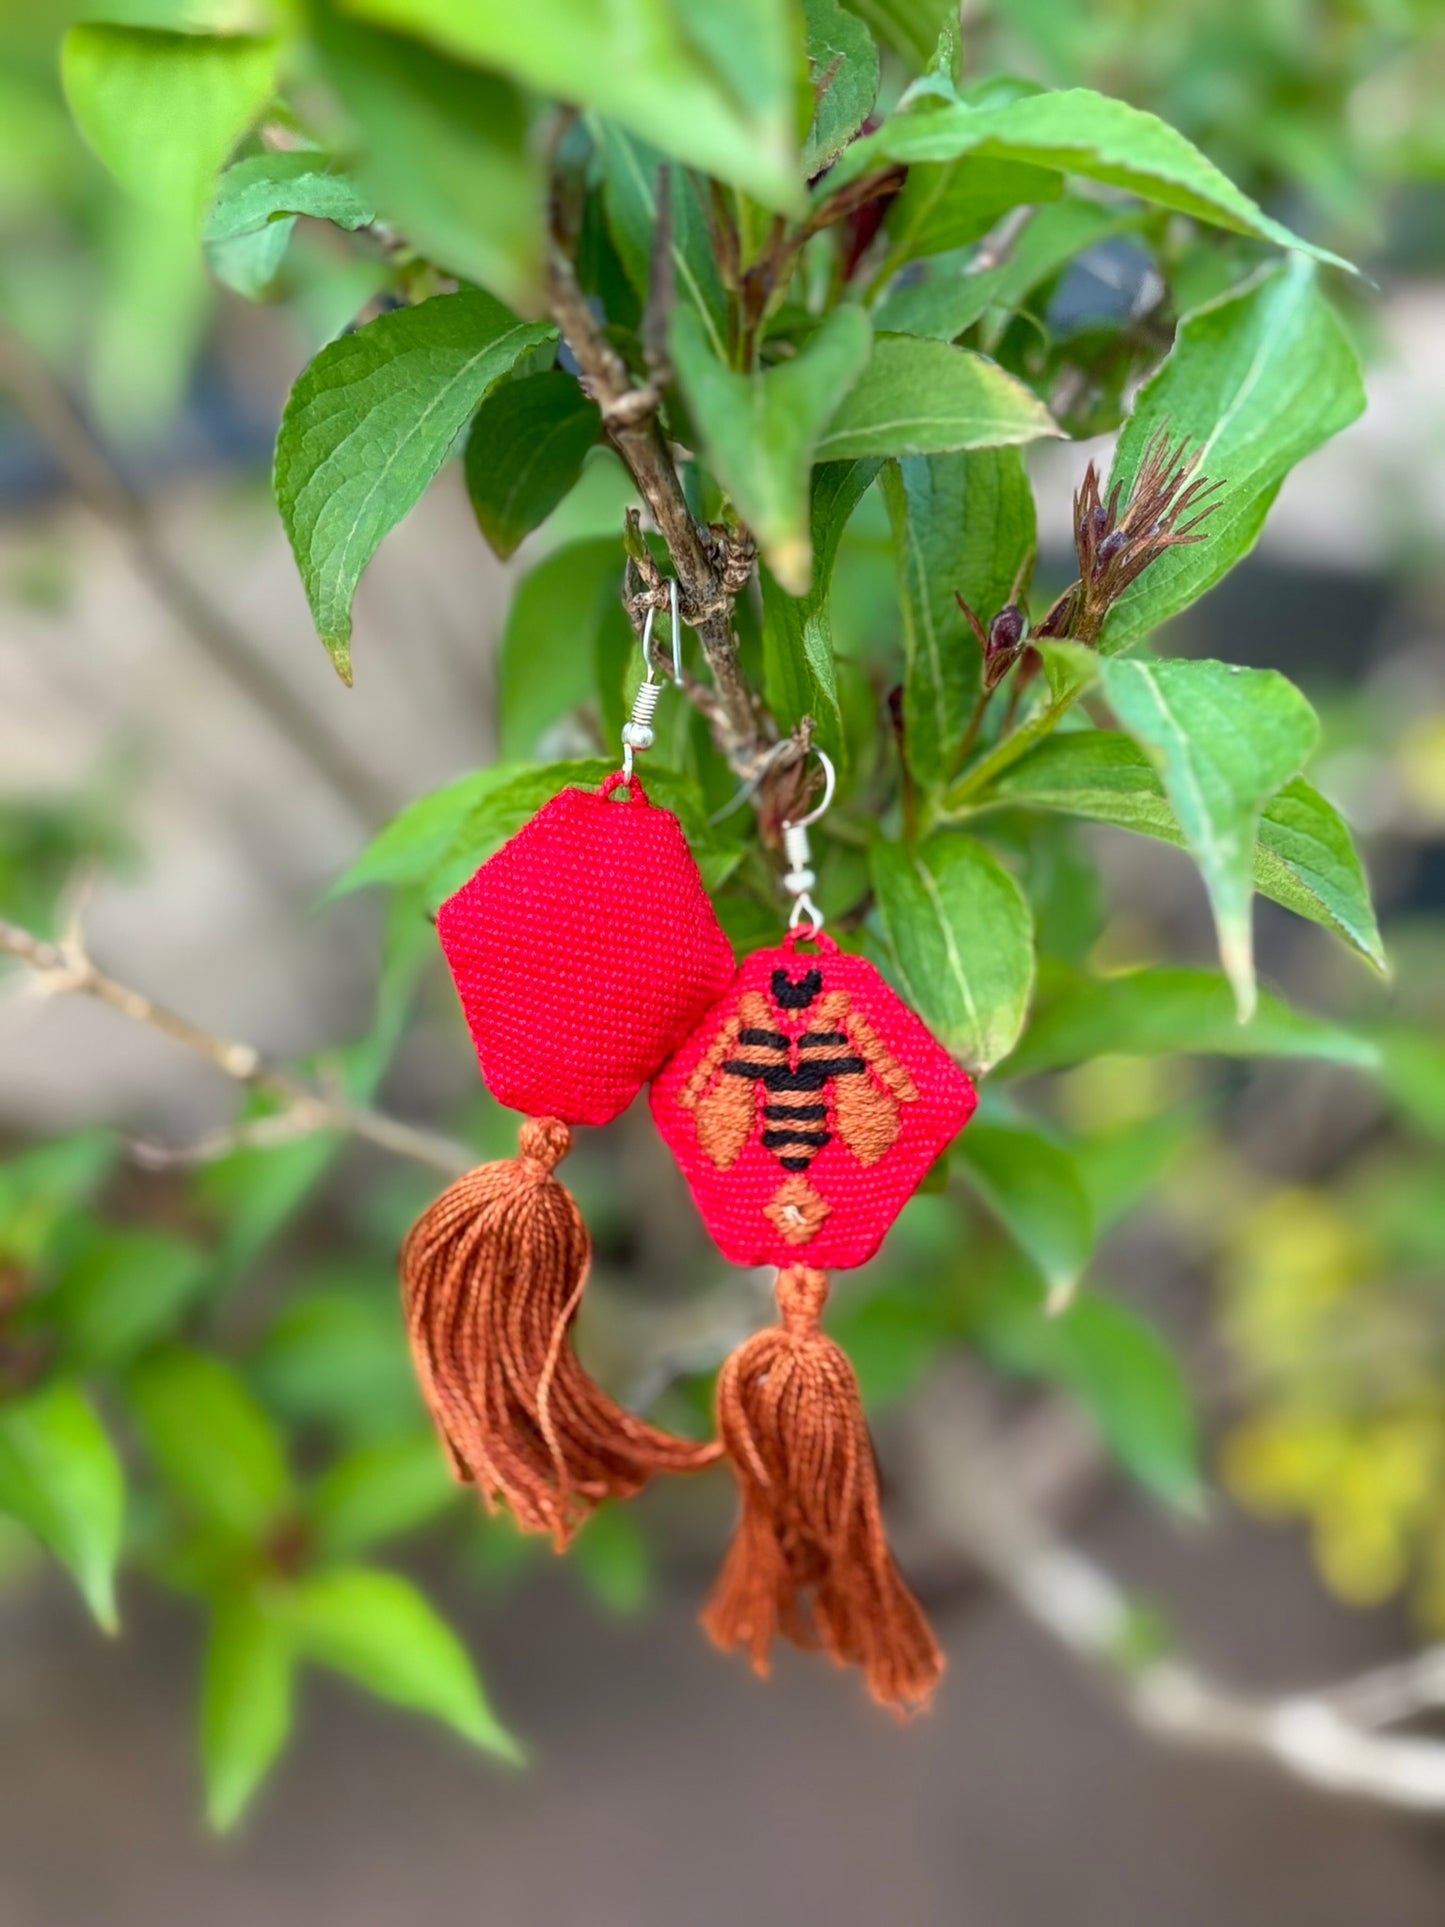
(810, 1560)
(492, 1276)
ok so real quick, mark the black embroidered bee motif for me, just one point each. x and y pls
(805, 1065)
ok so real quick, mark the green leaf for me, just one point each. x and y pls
(656, 67)
(267, 188)
(950, 205)
(60, 1477)
(843, 69)
(440, 839)
(799, 677)
(42, 1189)
(249, 263)
(503, 812)
(121, 1289)
(613, 1556)
(369, 423)
(629, 196)
(960, 935)
(528, 442)
(1077, 132)
(546, 656)
(214, 1445)
(1122, 1166)
(1304, 859)
(1149, 1013)
(246, 1703)
(420, 837)
(253, 214)
(760, 430)
(447, 153)
(894, 1337)
(910, 27)
(962, 522)
(378, 1630)
(1255, 381)
(1413, 1069)
(379, 1492)
(257, 1189)
(1116, 1365)
(1122, 1371)
(163, 110)
(1223, 740)
(1069, 667)
(920, 397)
(337, 1359)
(945, 304)
(1033, 1187)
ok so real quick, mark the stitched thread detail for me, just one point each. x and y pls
(797, 1210)
(877, 1108)
(841, 1060)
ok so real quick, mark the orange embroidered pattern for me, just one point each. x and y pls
(805, 1067)
(810, 1068)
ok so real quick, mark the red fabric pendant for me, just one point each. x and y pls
(583, 952)
(806, 1107)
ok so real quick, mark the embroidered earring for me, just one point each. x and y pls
(803, 1111)
(583, 952)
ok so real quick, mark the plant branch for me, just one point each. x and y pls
(96, 481)
(65, 968)
(1324, 1738)
(1006, 753)
(630, 415)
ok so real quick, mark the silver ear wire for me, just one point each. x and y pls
(638, 732)
(800, 876)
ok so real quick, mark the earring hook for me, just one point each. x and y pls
(820, 808)
(800, 876)
(676, 635)
(637, 731)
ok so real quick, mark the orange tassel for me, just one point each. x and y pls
(810, 1559)
(492, 1276)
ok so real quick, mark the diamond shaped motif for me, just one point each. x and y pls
(806, 1107)
(573, 994)
(795, 1210)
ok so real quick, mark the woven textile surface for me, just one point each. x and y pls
(583, 952)
(806, 1107)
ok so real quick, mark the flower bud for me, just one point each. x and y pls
(1005, 638)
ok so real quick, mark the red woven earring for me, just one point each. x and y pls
(572, 1003)
(803, 1111)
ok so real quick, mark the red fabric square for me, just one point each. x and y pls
(583, 952)
(806, 1107)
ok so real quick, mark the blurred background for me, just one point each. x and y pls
(179, 764)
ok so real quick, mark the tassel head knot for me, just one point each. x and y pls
(802, 1294)
(544, 1141)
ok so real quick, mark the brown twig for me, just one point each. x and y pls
(65, 968)
(629, 413)
(98, 484)
(770, 273)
